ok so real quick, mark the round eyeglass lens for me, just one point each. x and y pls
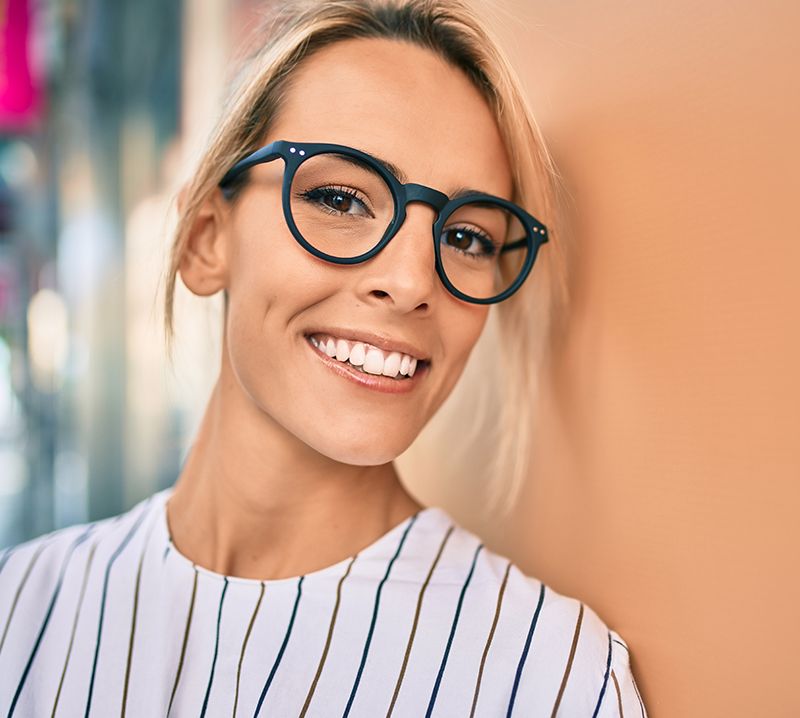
(343, 207)
(340, 205)
(483, 248)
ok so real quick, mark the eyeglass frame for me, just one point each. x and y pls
(295, 153)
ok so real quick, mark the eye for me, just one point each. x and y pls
(470, 242)
(337, 201)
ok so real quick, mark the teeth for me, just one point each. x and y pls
(391, 364)
(373, 364)
(367, 358)
(357, 354)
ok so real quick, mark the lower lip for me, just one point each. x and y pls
(376, 382)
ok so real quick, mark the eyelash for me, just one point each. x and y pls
(327, 190)
(483, 239)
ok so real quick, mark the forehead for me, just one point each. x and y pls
(403, 103)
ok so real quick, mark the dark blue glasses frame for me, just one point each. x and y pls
(293, 155)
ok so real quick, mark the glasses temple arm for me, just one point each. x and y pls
(265, 154)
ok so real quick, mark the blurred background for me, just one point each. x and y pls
(104, 106)
(666, 479)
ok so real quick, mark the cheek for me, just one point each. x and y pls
(462, 332)
(468, 329)
(267, 263)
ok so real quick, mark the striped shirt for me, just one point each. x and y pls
(107, 618)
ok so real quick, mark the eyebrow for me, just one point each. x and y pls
(403, 177)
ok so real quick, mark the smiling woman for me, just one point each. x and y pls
(361, 220)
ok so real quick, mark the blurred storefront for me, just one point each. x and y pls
(104, 108)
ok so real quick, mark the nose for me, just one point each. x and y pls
(403, 273)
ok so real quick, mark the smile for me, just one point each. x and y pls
(365, 357)
(390, 372)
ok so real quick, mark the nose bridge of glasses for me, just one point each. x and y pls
(426, 195)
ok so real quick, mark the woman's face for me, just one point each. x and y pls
(404, 104)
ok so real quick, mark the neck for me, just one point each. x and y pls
(253, 500)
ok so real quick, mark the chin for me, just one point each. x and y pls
(360, 453)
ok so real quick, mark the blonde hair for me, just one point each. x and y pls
(453, 30)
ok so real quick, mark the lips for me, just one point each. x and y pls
(377, 382)
(366, 357)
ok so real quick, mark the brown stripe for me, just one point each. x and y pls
(28, 570)
(633, 680)
(638, 695)
(416, 620)
(313, 687)
(185, 640)
(489, 639)
(74, 625)
(569, 661)
(133, 622)
(244, 646)
(619, 697)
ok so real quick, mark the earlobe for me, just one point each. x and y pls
(204, 263)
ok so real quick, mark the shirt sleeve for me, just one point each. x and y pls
(622, 699)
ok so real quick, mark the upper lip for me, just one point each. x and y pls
(382, 341)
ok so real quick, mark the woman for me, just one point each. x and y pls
(288, 572)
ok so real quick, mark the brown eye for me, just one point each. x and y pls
(458, 238)
(339, 202)
(463, 240)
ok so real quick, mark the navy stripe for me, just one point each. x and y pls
(113, 558)
(605, 679)
(524, 656)
(375, 616)
(216, 649)
(283, 647)
(76, 616)
(43, 628)
(452, 633)
(40, 548)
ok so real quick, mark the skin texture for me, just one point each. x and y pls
(292, 468)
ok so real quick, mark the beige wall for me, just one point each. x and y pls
(667, 489)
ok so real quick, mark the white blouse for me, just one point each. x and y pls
(107, 618)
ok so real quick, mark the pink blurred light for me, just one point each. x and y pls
(20, 89)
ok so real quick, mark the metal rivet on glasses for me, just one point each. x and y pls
(292, 149)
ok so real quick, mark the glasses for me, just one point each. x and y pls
(344, 206)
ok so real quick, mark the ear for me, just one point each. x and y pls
(204, 266)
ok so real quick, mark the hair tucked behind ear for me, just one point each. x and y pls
(452, 29)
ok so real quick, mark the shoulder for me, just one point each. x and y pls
(561, 652)
(33, 573)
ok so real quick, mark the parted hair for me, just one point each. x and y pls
(295, 30)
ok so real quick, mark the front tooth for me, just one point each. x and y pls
(330, 347)
(412, 367)
(392, 364)
(373, 362)
(404, 363)
(342, 350)
(357, 354)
